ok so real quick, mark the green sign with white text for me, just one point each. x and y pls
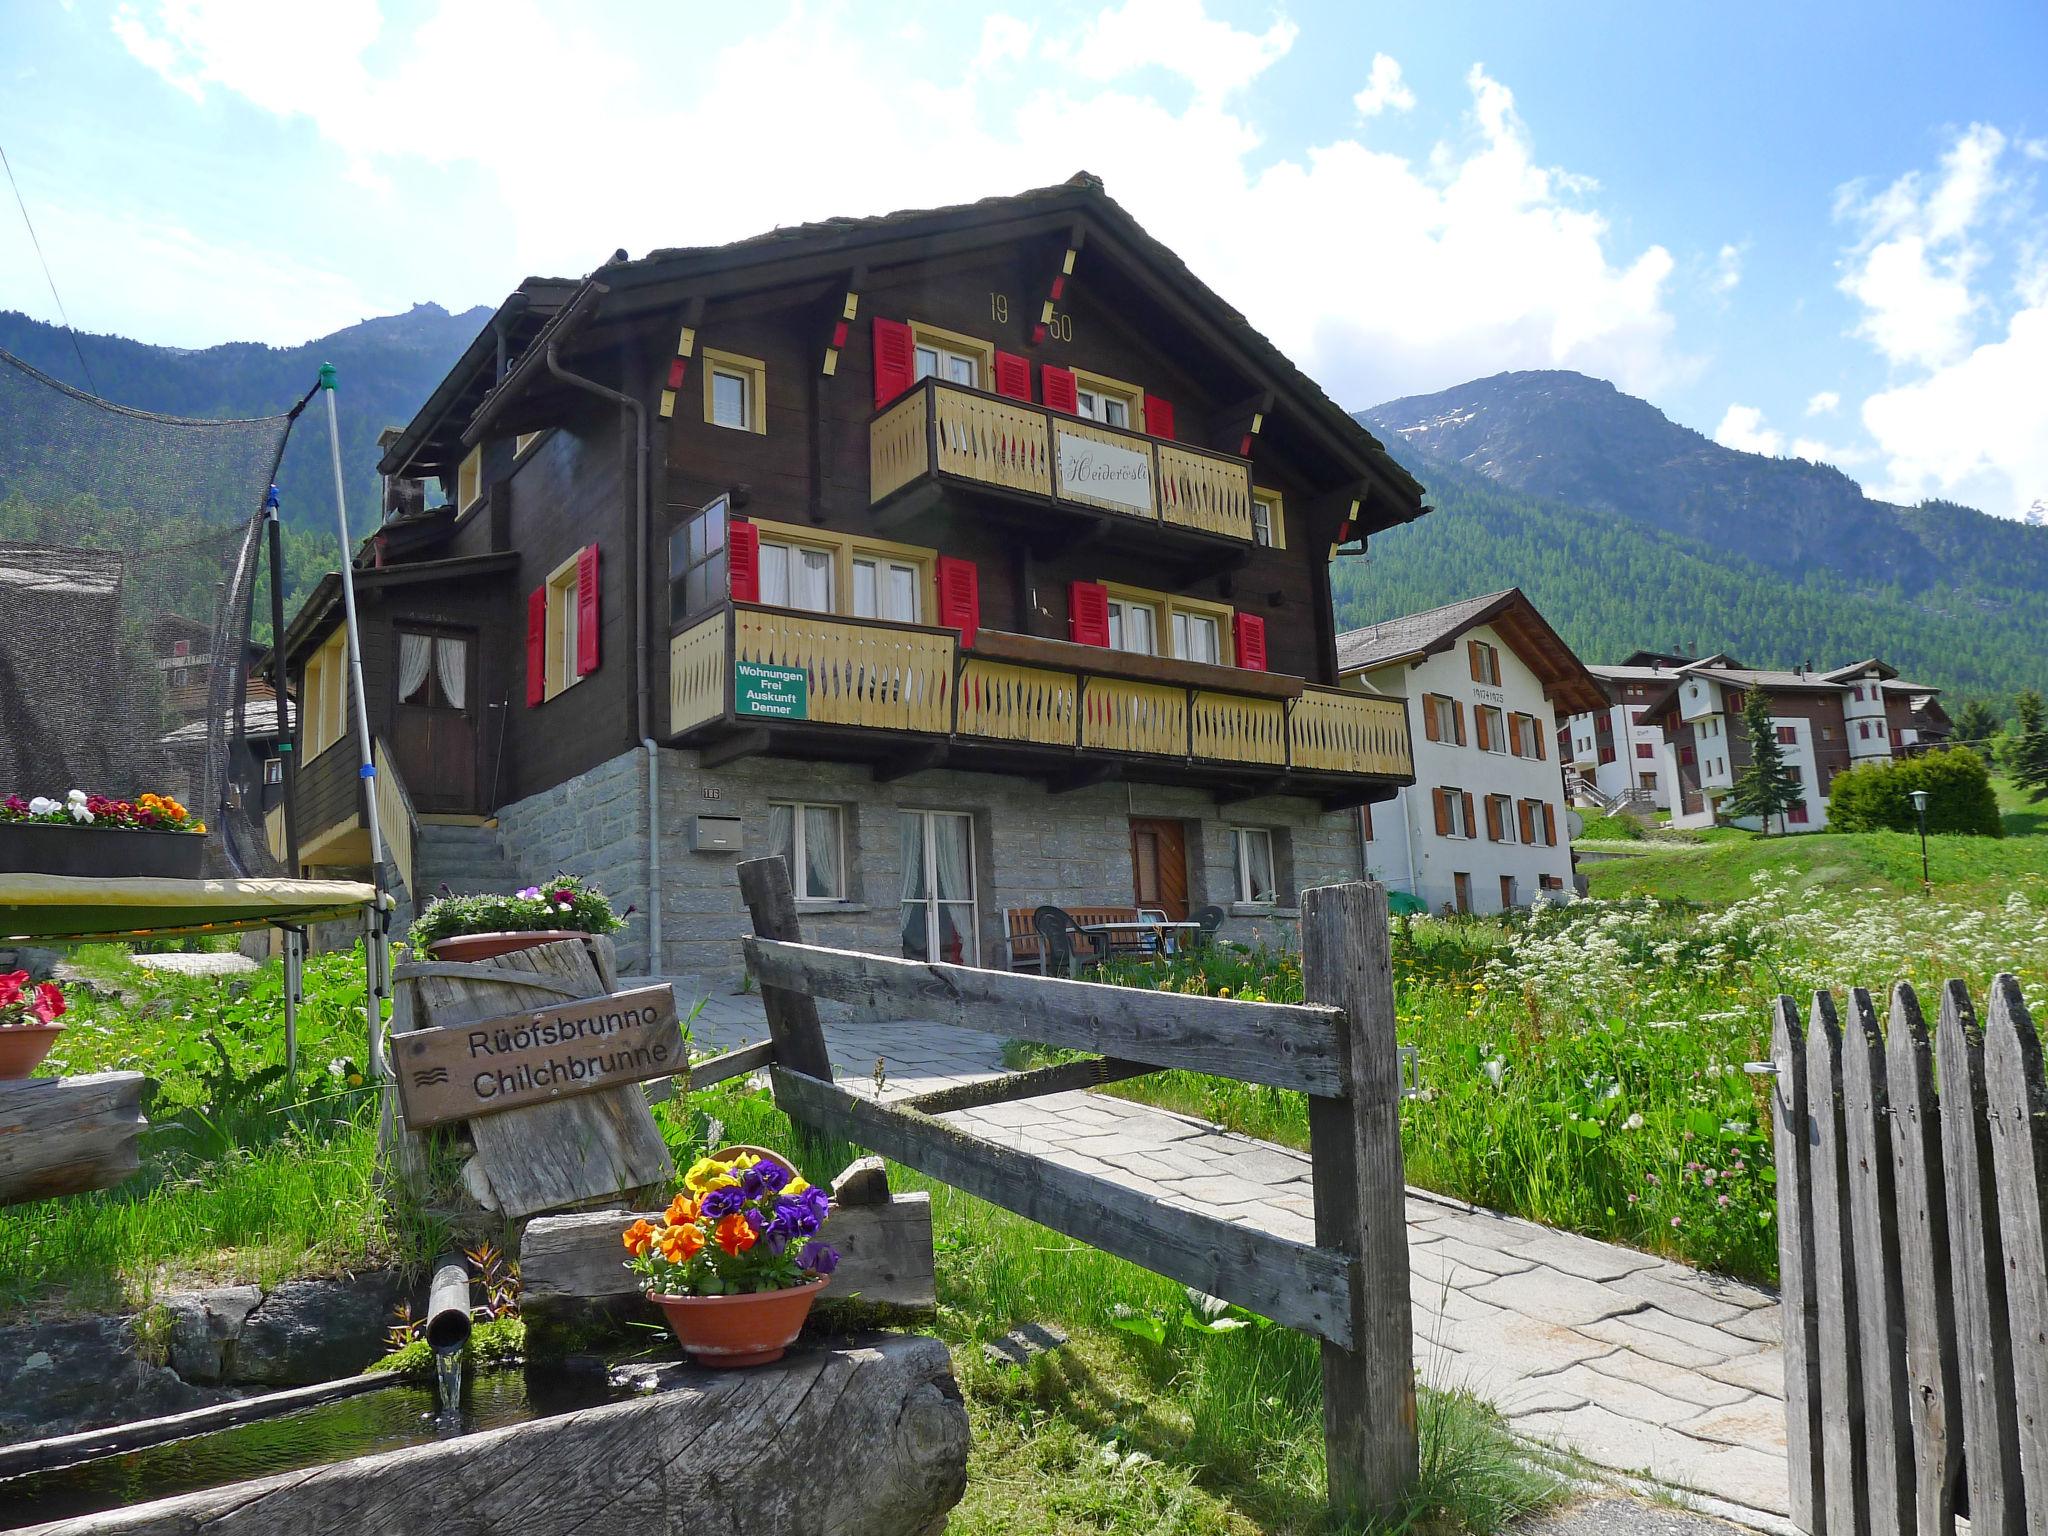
(775, 693)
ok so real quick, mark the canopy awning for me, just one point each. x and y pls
(66, 907)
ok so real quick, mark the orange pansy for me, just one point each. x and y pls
(679, 1245)
(734, 1235)
(681, 1211)
(639, 1238)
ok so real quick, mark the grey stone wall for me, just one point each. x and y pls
(1031, 846)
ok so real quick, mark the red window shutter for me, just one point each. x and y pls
(536, 646)
(1056, 388)
(960, 596)
(895, 360)
(1088, 613)
(1158, 416)
(1251, 642)
(586, 610)
(743, 561)
(1013, 376)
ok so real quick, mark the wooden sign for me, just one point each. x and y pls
(522, 1059)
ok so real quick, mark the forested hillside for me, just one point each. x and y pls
(1612, 585)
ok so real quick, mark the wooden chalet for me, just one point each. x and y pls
(992, 512)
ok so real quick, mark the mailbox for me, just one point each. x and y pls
(717, 834)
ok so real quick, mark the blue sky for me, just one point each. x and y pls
(1815, 228)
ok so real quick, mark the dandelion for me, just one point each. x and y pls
(1633, 1123)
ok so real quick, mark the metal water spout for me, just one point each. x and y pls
(447, 1330)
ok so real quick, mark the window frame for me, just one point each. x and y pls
(936, 338)
(846, 548)
(1100, 385)
(469, 480)
(562, 590)
(1165, 606)
(1240, 838)
(522, 441)
(716, 592)
(752, 373)
(1497, 730)
(799, 863)
(1273, 504)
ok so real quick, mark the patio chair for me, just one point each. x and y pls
(1211, 918)
(1066, 947)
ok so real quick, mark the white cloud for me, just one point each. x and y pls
(1382, 274)
(1823, 403)
(1744, 429)
(1384, 90)
(1727, 269)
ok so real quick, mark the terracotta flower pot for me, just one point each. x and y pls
(23, 1047)
(488, 946)
(730, 1331)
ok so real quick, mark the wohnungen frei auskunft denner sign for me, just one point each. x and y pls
(464, 1070)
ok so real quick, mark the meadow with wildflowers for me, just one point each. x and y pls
(1583, 1064)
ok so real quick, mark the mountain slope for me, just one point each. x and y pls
(387, 367)
(1580, 440)
(1610, 585)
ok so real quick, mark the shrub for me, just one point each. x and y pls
(1879, 796)
(564, 902)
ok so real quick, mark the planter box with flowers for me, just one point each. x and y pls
(28, 1023)
(152, 836)
(481, 927)
(734, 1263)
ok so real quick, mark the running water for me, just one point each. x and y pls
(448, 1379)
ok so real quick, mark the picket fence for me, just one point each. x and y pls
(1911, 1252)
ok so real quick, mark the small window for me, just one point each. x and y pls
(1196, 637)
(469, 480)
(1133, 626)
(696, 563)
(1797, 815)
(180, 676)
(433, 670)
(1109, 401)
(1644, 749)
(735, 390)
(1788, 735)
(273, 770)
(1269, 524)
(1255, 883)
(812, 841)
(951, 357)
(1485, 664)
(1491, 727)
(798, 576)
(886, 589)
(561, 631)
(522, 442)
(1456, 822)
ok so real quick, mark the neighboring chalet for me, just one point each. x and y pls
(1616, 750)
(1484, 826)
(1825, 722)
(973, 558)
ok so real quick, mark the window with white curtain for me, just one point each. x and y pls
(1133, 626)
(936, 849)
(812, 841)
(1255, 881)
(1195, 637)
(885, 589)
(797, 576)
(433, 670)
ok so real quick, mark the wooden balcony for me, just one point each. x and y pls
(749, 680)
(942, 435)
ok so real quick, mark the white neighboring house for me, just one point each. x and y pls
(1485, 825)
(1616, 749)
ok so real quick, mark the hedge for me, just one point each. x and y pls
(1878, 797)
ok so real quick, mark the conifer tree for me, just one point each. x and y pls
(2030, 744)
(1976, 722)
(1766, 787)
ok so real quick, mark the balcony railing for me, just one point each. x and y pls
(762, 666)
(944, 430)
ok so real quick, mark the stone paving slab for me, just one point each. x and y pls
(1641, 1366)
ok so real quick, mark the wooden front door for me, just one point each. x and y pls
(1159, 866)
(433, 722)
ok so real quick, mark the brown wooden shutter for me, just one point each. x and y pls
(1549, 824)
(1471, 820)
(1365, 820)
(1483, 723)
(1472, 660)
(1442, 803)
(1525, 819)
(1536, 735)
(1458, 718)
(1493, 818)
(1429, 725)
(1514, 735)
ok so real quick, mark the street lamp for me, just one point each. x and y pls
(1920, 810)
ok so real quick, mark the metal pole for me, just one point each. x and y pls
(366, 758)
(286, 756)
(1921, 811)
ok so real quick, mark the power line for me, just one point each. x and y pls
(48, 277)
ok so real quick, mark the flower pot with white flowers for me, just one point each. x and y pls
(99, 837)
(484, 927)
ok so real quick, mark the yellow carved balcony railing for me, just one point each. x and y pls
(942, 430)
(748, 665)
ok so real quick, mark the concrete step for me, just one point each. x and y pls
(467, 865)
(431, 886)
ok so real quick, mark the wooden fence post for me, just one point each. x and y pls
(2018, 1101)
(1834, 1281)
(1989, 1426)
(1919, 1188)
(1369, 1425)
(792, 1016)
(1793, 1132)
(1880, 1310)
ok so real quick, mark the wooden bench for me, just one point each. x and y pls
(1027, 950)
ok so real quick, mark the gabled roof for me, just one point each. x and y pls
(623, 294)
(1884, 669)
(1765, 678)
(1414, 636)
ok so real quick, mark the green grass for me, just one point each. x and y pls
(1601, 827)
(1976, 870)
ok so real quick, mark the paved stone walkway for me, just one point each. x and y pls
(1644, 1367)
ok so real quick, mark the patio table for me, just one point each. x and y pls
(1133, 935)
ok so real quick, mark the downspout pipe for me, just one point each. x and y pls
(641, 698)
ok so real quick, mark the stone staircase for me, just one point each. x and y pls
(468, 860)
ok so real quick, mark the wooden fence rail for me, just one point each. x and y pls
(1915, 1287)
(1349, 1288)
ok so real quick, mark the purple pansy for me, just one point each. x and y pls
(818, 1259)
(773, 1176)
(723, 1202)
(752, 1185)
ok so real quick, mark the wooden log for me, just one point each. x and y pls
(573, 1269)
(1060, 1077)
(1792, 1132)
(1920, 1191)
(868, 1440)
(1279, 1044)
(64, 1135)
(1880, 1306)
(793, 1026)
(1989, 1424)
(1294, 1283)
(1369, 1417)
(1834, 1283)
(2018, 1100)
(729, 1064)
(596, 1146)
